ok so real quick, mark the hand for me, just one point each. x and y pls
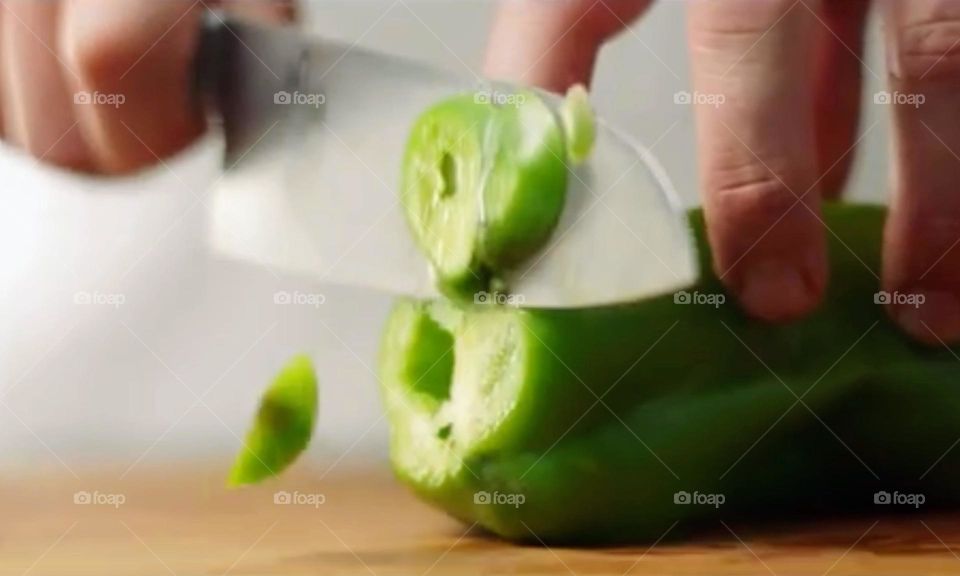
(782, 141)
(105, 85)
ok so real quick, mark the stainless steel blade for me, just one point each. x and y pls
(315, 137)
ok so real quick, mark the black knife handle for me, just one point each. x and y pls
(208, 67)
(241, 69)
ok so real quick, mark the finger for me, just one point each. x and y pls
(267, 11)
(922, 256)
(757, 151)
(133, 59)
(554, 45)
(838, 84)
(38, 104)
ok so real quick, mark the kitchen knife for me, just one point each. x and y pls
(315, 133)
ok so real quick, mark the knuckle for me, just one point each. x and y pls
(737, 34)
(101, 59)
(738, 20)
(929, 48)
(935, 230)
(104, 55)
(750, 193)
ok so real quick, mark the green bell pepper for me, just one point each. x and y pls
(670, 414)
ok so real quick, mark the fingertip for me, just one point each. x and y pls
(781, 290)
(930, 317)
(768, 246)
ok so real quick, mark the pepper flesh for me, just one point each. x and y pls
(600, 418)
(283, 426)
(579, 124)
(483, 186)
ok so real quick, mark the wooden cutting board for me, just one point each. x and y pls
(180, 520)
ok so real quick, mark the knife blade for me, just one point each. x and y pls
(315, 132)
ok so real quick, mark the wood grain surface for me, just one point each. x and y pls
(180, 520)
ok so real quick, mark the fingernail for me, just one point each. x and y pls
(778, 291)
(930, 316)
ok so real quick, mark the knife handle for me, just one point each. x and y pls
(241, 69)
(207, 63)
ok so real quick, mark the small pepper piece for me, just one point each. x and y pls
(579, 123)
(283, 425)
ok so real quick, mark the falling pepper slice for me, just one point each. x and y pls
(283, 425)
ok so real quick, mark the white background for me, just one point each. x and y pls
(86, 383)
